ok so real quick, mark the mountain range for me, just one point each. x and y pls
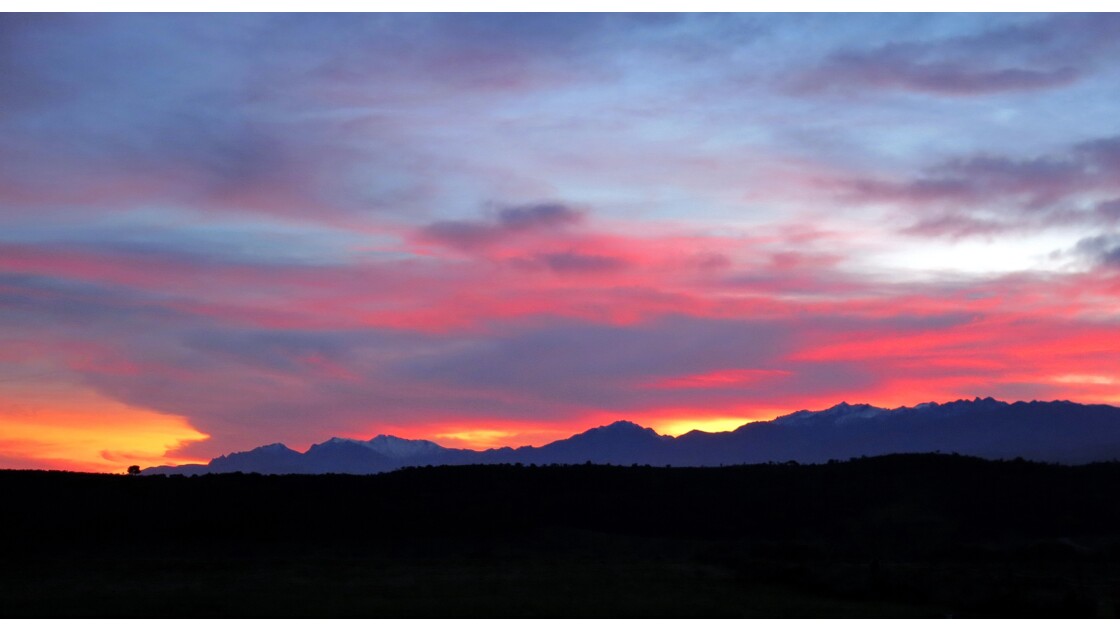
(1059, 431)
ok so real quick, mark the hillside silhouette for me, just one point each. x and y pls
(900, 535)
(1059, 431)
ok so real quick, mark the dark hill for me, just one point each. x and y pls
(904, 535)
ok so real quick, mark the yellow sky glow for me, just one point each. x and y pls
(86, 431)
(681, 426)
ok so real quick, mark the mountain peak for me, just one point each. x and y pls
(624, 423)
(393, 446)
(623, 427)
(389, 446)
(842, 413)
(392, 439)
(975, 403)
(619, 432)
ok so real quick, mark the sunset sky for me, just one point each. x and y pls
(218, 232)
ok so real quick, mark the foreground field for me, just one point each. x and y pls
(917, 535)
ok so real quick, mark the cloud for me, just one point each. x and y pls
(508, 222)
(957, 226)
(893, 67)
(1103, 153)
(573, 363)
(1034, 182)
(985, 195)
(1046, 53)
(1102, 250)
(1109, 210)
(574, 262)
(542, 215)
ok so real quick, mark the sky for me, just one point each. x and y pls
(222, 231)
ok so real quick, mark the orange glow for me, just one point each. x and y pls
(476, 438)
(1085, 379)
(79, 429)
(480, 433)
(707, 425)
(677, 422)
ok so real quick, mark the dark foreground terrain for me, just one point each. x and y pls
(907, 535)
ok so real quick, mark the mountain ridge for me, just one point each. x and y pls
(1057, 431)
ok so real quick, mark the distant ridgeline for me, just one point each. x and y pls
(1061, 432)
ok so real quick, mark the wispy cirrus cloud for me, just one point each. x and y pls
(904, 68)
(984, 195)
(1047, 53)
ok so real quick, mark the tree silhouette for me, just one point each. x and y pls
(134, 470)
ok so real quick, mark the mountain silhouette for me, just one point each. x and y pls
(1059, 431)
(622, 442)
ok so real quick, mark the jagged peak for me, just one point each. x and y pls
(840, 413)
(623, 423)
(845, 406)
(392, 439)
(623, 426)
(385, 445)
(338, 442)
(845, 411)
(267, 449)
(988, 400)
(617, 429)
